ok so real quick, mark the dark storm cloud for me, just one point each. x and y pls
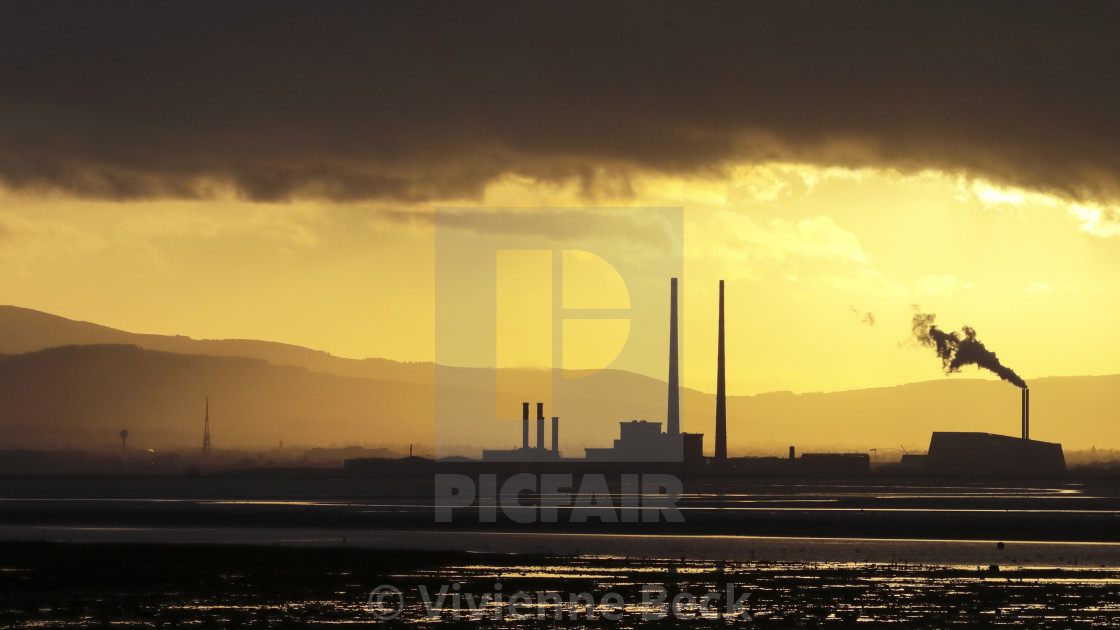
(415, 101)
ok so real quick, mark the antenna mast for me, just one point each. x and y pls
(206, 432)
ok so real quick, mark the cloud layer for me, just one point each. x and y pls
(420, 102)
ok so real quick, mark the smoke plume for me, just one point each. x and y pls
(865, 317)
(957, 350)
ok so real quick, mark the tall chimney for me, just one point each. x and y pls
(540, 425)
(673, 416)
(525, 425)
(721, 393)
(556, 434)
(1026, 414)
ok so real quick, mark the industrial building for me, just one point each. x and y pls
(643, 441)
(989, 453)
(831, 463)
(526, 453)
(638, 440)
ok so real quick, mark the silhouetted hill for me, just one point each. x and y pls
(83, 396)
(1079, 411)
(26, 330)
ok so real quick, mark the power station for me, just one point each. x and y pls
(641, 440)
(988, 453)
(526, 453)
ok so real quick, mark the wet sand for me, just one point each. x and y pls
(955, 553)
(306, 552)
(148, 586)
(1060, 511)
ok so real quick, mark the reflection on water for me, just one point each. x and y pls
(807, 593)
(296, 558)
(701, 497)
(313, 588)
(951, 553)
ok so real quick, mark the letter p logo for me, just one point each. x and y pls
(550, 302)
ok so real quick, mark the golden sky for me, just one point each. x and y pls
(839, 165)
(807, 252)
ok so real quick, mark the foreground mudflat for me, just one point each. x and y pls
(159, 585)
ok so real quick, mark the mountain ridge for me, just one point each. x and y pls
(82, 394)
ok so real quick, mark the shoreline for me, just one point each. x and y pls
(739, 548)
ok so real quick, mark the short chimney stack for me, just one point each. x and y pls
(525, 425)
(540, 425)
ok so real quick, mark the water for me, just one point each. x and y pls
(216, 552)
(954, 553)
(210, 586)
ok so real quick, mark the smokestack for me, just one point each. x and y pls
(540, 425)
(525, 425)
(791, 452)
(1026, 414)
(556, 435)
(721, 393)
(673, 416)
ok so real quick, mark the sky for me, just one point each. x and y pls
(272, 171)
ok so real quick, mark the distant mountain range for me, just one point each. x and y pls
(74, 384)
(26, 330)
